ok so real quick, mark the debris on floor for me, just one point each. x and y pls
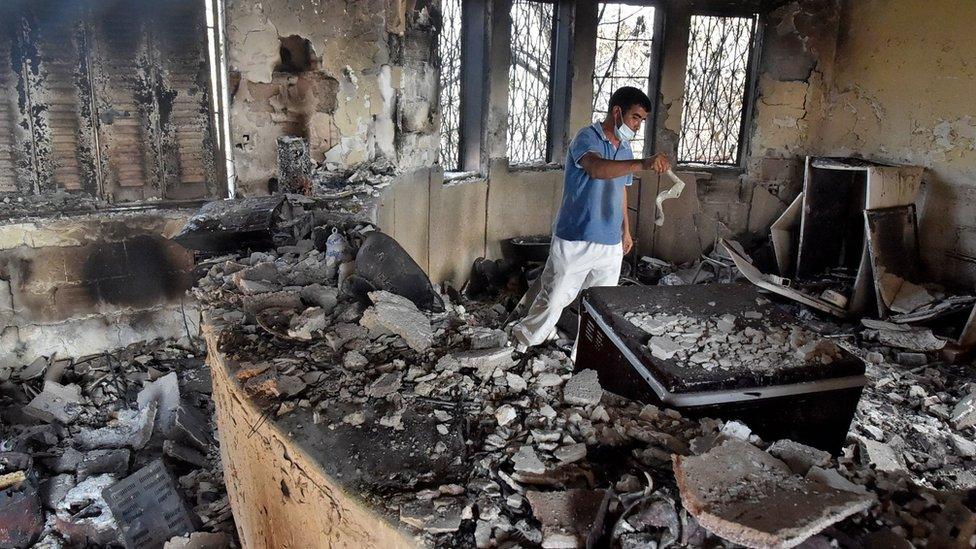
(87, 437)
(519, 441)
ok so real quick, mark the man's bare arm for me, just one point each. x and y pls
(601, 168)
(627, 240)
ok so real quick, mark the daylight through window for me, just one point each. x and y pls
(624, 52)
(529, 81)
(449, 46)
(715, 86)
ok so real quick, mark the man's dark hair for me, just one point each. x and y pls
(628, 96)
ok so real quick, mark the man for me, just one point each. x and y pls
(591, 233)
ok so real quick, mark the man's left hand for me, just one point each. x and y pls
(661, 163)
(628, 242)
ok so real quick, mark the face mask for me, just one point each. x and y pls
(624, 133)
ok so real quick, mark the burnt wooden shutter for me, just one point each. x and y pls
(110, 97)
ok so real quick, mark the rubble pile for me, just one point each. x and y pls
(520, 449)
(92, 424)
(722, 342)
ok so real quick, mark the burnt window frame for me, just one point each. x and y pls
(474, 82)
(750, 91)
(653, 88)
(559, 92)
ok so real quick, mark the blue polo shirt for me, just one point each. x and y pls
(592, 209)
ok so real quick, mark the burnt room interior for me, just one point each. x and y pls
(263, 267)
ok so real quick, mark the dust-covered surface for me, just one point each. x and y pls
(469, 443)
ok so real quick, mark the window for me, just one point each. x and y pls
(719, 49)
(449, 49)
(624, 52)
(529, 79)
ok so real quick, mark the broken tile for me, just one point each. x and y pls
(400, 316)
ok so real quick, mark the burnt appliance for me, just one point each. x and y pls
(809, 402)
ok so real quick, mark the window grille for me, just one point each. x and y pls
(449, 48)
(529, 80)
(624, 53)
(715, 89)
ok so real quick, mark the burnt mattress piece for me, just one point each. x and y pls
(728, 312)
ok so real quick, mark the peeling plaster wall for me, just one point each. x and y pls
(86, 284)
(796, 64)
(367, 95)
(903, 93)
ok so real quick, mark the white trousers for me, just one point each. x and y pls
(572, 266)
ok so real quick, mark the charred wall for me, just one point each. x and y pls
(80, 285)
(364, 92)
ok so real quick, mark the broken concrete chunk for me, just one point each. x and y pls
(400, 316)
(583, 389)
(487, 338)
(964, 446)
(134, 428)
(566, 517)
(310, 321)
(165, 391)
(833, 479)
(486, 361)
(54, 489)
(354, 360)
(384, 385)
(515, 382)
(185, 454)
(99, 462)
(67, 462)
(340, 334)
(663, 347)
(527, 461)
(325, 297)
(882, 457)
(964, 412)
(505, 414)
(56, 402)
(731, 489)
(799, 457)
(570, 453)
(423, 514)
(95, 526)
(736, 429)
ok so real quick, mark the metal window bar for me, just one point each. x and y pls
(719, 49)
(449, 51)
(529, 81)
(624, 57)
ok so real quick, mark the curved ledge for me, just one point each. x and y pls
(280, 493)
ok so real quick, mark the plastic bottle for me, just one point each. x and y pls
(335, 251)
